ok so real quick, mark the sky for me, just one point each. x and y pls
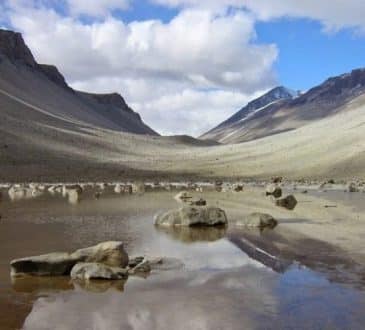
(187, 65)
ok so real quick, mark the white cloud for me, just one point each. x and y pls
(95, 8)
(333, 14)
(183, 76)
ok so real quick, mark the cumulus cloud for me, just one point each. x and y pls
(95, 8)
(333, 14)
(183, 76)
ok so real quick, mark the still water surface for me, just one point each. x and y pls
(220, 286)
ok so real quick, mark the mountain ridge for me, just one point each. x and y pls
(14, 50)
(291, 112)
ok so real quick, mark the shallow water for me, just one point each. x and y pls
(224, 283)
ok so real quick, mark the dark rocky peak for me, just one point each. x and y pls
(112, 99)
(13, 47)
(275, 95)
(278, 93)
(53, 74)
(340, 87)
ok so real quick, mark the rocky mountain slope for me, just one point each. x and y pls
(289, 113)
(233, 128)
(43, 86)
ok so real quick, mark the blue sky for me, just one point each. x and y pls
(187, 65)
(308, 56)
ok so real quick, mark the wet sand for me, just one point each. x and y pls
(308, 273)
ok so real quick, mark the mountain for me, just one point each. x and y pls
(290, 112)
(50, 132)
(44, 87)
(233, 127)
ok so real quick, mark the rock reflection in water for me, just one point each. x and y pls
(39, 285)
(194, 234)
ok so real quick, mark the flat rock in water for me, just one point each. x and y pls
(52, 264)
(198, 202)
(288, 202)
(273, 190)
(97, 271)
(260, 220)
(56, 264)
(193, 216)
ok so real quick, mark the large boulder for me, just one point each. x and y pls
(97, 271)
(260, 220)
(192, 216)
(54, 264)
(107, 253)
(273, 190)
(288, 202)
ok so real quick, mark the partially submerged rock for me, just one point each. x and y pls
(118, 189)
(52, 264)
(273, 190)
(238, 188)
(97, 271)
(260, 220)
(198, 202)
(288, 202)
(192, 216)
(55, 264)
(107, 253)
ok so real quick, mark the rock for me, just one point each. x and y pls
(238, 188)
(52, 264)
(142, 267)
(18, 193)
(107, 253)
(102, 186)
(133, 262)
(277, 179)
(305, 192)
(198, 202)
(192, 216)
(73, 196)
(273, 190)
(288, 202)
(166, 264)
(138, 188)
(352, 187)
(97, 271)
(218, 186)
(183, 197)
(260, 220)
(118, 189)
